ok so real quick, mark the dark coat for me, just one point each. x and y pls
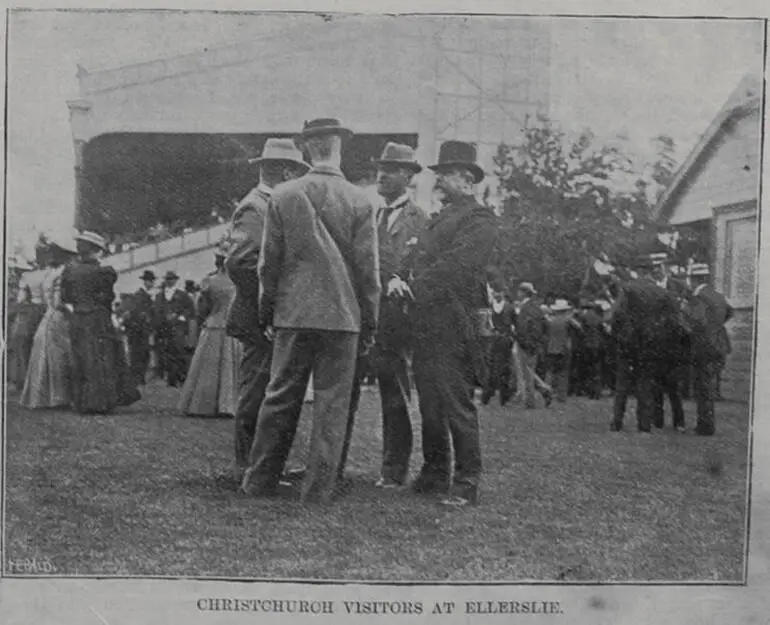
(646, 324)
(319, 266)
(140, 314)
(531, 327)
(246, 230)
(707, 312)
(177, 312)
(447, 270)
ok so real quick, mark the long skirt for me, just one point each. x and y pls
(20, 338)
(211, 386)
(49, 375)
(101, 379)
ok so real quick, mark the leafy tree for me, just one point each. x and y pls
(565, 202)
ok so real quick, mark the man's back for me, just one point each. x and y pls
(319, 267)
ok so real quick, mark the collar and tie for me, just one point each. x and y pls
(388, 210)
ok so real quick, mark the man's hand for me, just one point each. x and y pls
(397, 286)
(270, 333)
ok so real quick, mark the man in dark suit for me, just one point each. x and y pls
(280, 161)
(447, 270)
(707, 312)
(649, 336)
(530, 335)
(139, 326)
(399, 224)
(319, 293)
(174, 310)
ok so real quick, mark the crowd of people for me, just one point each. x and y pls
(314, 283)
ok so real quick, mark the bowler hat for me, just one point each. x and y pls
(280, 150)
(458, 154)
(190, 286)
(147, 275)
(323, 126)
(171, 275)
(93, 239)
(401, 155)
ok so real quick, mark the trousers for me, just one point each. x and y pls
(445, 381)
(254, 376)
(331, 358)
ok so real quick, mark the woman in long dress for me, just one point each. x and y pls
(48, 380)
(29, 312)
(101, 380)
(211, 387)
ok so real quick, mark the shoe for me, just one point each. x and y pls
(455, 501)
(386, 482)
(294, 475)
(427, 486)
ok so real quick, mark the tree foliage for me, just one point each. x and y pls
(565, 202)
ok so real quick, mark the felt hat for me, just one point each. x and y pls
(93, 239)
(560, 305)
(322, 126)
(147, 275)
(458, 154)
(280, 150)
(401, 155)
(171, 275)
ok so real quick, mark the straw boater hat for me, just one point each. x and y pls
(699, 269)
(93, 239)
(560, 305)
(147, 275)
(64, 241)
(527, 287)
(458, 153)
(281, 151)
(322, 126)
(401, 155)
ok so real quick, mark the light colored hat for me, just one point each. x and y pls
(528, 287)
(280, 150)
(401, 155)
(560, 305)
(699, 269)
(603, 304)
(93, 239)
(64, 240)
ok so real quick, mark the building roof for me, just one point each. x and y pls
(746, 98)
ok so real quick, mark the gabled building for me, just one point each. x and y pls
(716, 194)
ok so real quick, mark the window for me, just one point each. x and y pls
(741, 260)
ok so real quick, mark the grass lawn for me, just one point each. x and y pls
(563, 499)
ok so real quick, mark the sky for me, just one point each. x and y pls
(638, 77)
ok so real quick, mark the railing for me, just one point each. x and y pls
(152, 253)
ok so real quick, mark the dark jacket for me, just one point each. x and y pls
(140, 313)
(319, 266)
(179, 311)
(88, 286)
(707, 312)
(447, 271)
(246, 230)
(530, 327)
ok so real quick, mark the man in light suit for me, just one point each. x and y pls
(280, 161)
(399, 224)
(319, 292)
(707, 312)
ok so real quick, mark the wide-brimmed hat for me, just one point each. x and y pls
(527, 287)
(322, 126)
(93, 239)
(280, 150)
(171, 275)
(560, 305)
(458, 154)
(64, 242)
(401, 155)
(190, 286)
(148, 275)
